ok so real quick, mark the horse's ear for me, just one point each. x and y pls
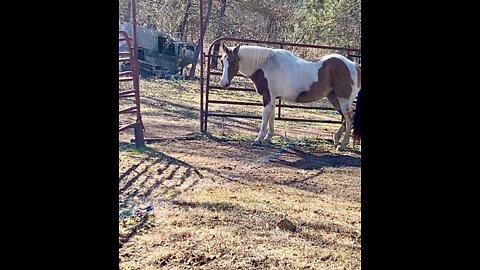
(235, 51)
(225, 48)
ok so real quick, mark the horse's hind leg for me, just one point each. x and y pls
(336, 104)
(338, 134)
(347, 111)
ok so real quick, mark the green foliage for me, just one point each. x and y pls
(333, 22)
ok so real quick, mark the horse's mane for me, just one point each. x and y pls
(254, 55)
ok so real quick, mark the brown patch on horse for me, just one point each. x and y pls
(335, 102)
(332, 75)
(261, 85)
(233, 61)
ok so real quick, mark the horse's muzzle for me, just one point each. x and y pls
(224, 85)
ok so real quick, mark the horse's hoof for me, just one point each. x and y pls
(256, 143)
(341, 148)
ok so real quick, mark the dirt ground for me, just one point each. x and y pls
(214, 201)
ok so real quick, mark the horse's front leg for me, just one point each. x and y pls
(267, 111)
(271, 125)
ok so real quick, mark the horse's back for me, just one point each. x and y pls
(349, 63)
(289, 75)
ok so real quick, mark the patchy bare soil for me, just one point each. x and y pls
(214, 202)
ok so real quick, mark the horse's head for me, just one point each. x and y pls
(231, 64)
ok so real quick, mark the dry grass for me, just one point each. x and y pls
(214, 202)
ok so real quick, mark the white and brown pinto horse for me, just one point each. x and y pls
(279, 73)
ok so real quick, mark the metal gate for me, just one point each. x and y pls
(212, 57)
(131, 56)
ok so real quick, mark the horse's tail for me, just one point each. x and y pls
(357, 119)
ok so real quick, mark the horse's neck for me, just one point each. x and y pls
(253, 58)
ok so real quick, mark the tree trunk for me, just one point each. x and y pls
(271, 28)
(126, 16)
(198, 49)
(216, 47)
(183, 23)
